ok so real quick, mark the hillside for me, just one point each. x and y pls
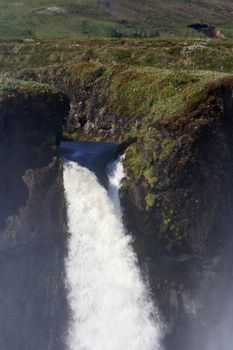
(170, 16)
(49, 18)
(111, 18)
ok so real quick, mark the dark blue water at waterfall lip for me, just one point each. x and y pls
(91, 154)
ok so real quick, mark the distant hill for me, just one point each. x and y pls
(171, 16)
(111, 18)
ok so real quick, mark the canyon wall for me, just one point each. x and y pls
(33, 310)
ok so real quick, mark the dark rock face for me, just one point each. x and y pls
(30, 129)
(33, 308)
(187, 235)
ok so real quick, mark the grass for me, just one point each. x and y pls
(92, 18)
(12, 88)
(186, 54)
(171, 16)
(11, 85)
(39, 19)
(155, 92)
(32, 19)
(150, 78)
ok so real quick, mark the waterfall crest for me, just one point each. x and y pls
(110, 305)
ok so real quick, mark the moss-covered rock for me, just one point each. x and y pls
(180, 165)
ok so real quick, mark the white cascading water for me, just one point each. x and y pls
(110, 305)
(115, 176)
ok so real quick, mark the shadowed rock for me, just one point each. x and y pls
(33, 311)
(209, 30)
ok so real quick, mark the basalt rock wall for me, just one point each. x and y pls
(33, 310)
(31, 119)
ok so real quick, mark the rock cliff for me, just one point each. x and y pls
(32, 216)
(31, 119)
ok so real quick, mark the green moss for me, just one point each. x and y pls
(150, 176)
(165, 224)
(169, 231)
(133, 162)
(150, 201)
(167, 147)
(12, 88)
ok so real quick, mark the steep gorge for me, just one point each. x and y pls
(178, 196)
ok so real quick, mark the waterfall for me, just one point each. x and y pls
(115, 175)
(110, 304)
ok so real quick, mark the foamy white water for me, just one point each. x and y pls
(111, 308)
(115, 176)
